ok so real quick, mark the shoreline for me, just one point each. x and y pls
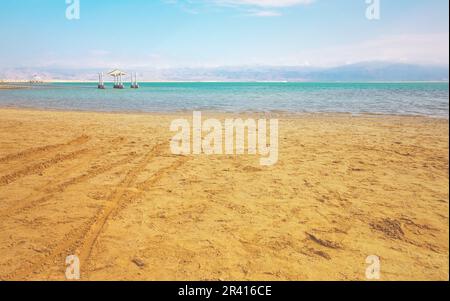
(231, 82)
(281, 114)
(11, 87)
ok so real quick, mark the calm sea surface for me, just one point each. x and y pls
(431, 99)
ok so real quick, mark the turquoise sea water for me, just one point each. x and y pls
(430, 99)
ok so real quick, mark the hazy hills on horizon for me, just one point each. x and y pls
(368, 71)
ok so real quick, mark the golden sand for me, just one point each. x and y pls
(9, 87)
(106, 188)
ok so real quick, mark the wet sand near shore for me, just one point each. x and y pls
(106, 188)
(11, 87)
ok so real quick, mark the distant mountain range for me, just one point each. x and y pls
(369, 71)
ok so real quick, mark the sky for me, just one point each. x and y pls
(217, 33)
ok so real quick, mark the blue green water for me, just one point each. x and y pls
(430, 99)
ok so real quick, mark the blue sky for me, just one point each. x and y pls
(208, 33)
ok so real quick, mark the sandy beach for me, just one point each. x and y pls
(106, 188)
(10, 87)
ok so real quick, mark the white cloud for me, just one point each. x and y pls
(401, 48)
(99, 52)
(406, 48)
(254, 8)
(265, 3)
(265, 13)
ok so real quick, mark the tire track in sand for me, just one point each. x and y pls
(67, 245)
(82, 239)
(117, 202)
(28, 204)
(39, 167)
(32, 152)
